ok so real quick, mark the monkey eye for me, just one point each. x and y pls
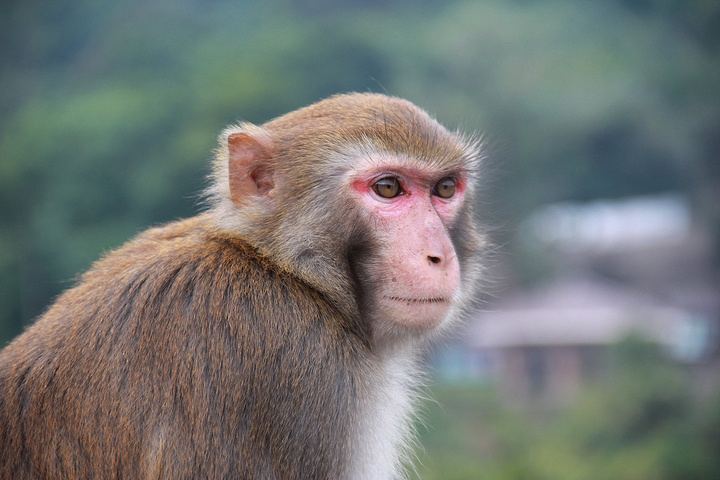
(387, 187)
(445, 188)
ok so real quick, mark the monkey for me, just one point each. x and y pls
(278, 334)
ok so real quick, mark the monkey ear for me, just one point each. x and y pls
(251, 171)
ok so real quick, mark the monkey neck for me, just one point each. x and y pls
(319, 265)
(385, 427)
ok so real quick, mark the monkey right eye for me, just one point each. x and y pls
(387, 187)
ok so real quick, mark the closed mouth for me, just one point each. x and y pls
(417, 300)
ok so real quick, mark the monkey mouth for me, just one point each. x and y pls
(418, 300)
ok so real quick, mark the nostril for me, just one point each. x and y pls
(434, 260)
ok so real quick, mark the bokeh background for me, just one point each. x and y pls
(594, 353)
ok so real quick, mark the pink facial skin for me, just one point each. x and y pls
(419, 268)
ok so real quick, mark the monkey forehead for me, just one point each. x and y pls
(365, 161)
(382, 122)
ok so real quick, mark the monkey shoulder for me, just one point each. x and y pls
(192, 271)
(172, 276)
(192, 244)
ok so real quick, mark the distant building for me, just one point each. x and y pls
(635, 266)
(546, 342)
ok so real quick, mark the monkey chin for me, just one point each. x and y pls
(416, 313)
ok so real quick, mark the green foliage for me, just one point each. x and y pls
(640, 423)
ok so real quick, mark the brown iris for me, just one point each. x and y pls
(445, 188)
(387, 187)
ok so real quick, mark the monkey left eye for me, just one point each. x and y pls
(445, 188)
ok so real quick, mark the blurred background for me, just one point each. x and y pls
(594, 353)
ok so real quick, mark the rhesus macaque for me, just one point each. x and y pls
(274, 336)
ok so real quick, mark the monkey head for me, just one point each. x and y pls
(367, 199)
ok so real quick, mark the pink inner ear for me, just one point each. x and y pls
(250, 169)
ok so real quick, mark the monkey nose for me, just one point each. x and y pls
(434, 260)
(439, 256)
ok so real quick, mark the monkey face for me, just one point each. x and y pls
(416, 274)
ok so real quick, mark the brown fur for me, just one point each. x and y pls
(190, 379)
(229, 345)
